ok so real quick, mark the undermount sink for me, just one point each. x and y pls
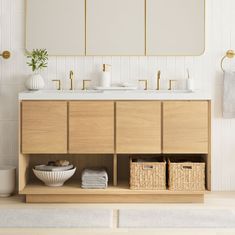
(70, 91)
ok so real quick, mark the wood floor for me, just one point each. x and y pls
(212, 200)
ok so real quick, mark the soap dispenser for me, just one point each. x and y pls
(105, 76)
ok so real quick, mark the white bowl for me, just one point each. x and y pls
(54, 178)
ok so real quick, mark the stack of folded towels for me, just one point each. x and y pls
(94, 178)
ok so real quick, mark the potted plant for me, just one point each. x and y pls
(38, 61)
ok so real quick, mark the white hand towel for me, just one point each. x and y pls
(229, 95)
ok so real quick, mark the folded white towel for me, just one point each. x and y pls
(94, 178)
(229, 95)
(94, 174)
(98, 186)
(93, 181)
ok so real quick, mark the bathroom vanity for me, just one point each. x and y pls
(92, 128)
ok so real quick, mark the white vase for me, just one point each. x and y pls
(7, 180)
(35, 82)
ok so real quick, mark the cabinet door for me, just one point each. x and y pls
(175, 27)
(185, 126)
(57, 25)
(115, 27)
(138, 127)
(91, 127)
(44, 126)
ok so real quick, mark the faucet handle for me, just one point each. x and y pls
(170, 84)
(84, 84)
(145, 81)
(58, 82)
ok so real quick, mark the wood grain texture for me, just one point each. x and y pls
(185, 127)
(148, 198)
(23, 175)
(91, 127)
(138, 127)
(44, 127)
(122, 188)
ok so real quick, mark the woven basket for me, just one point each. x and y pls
(186, 176)
(148, 175)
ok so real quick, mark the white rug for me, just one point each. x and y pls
(176, 218)
(55, 218)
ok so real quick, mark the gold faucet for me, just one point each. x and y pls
(71, 77)
(158, 79)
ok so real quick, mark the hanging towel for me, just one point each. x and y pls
(229, 95)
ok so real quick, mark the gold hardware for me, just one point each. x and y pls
(58, 82)
(145, 84)
(71, 77)
(229, 54)
(6, 54)
(84, 82)
(106, 67)
(170, 84)
(158, 79)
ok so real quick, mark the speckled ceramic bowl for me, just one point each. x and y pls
(54, 178)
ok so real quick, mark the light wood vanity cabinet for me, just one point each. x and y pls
(138, 127)
(105, 133)
(44, 127)
(185, 127)
(91, 127)
(99, 127)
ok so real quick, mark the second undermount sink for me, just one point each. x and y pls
(163, 91)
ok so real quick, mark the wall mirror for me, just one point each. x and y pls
(175, 27)
(116, 27)
(57, 25)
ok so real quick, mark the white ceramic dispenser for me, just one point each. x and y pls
(105, 80)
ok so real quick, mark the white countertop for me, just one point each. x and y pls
(113, 95)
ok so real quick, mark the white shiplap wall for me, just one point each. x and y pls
(220, 36)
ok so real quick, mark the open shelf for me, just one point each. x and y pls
(118, 191)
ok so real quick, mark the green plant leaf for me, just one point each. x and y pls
(38, 59)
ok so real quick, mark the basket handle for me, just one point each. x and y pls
(187, 167)
(148, 167)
